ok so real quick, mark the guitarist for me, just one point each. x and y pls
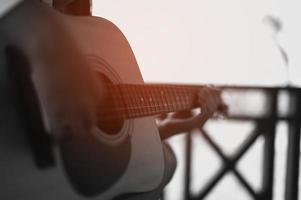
(68, 115)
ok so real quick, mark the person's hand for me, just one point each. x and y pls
(211, 104)
(210, 101)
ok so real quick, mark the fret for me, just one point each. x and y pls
(166, 100)
(154, 98)
(138, 99)
(146, 101)
(160, 99)
(142, 100)
(151, 101)
(169, 98)
(135, 94)
(129, 100)
(181, 95)
(174, 100)
(163, 101)
(190, 98)
(126, 98)
(187, 99)
(117, 102)
(134, 108)
(177, 100)
(134, 97)
(162, 104)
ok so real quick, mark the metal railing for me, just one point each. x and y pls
(264, 125)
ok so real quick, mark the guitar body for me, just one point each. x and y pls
(132, 159)
(96, 163)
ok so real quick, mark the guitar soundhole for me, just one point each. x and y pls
(110, 117)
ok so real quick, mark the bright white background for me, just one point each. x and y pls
(213, 41)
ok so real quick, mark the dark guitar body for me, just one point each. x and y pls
(88, 172)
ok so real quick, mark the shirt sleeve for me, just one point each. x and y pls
(7, 5)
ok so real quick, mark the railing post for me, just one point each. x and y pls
(266, 125)
(188, 155)
(293, 150)
(269, 148)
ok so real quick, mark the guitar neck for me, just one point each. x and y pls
(134, 100)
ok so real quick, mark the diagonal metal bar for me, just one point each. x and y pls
(217, 149)
(210, 185)
(258, 130)
(230, 162)
(246, 184)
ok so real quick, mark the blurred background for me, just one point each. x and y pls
(228, 42)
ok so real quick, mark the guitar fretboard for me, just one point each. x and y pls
(134, 100)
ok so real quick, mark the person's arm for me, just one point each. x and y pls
(74, 7)
(210, 102)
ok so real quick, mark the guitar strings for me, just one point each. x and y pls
(106, 116)
(121, 112)
(179, 100)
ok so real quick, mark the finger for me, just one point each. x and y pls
(224, 110)
(199, 121)
(210, 100)
(205, 96)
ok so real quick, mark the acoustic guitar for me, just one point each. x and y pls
(121, 152)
